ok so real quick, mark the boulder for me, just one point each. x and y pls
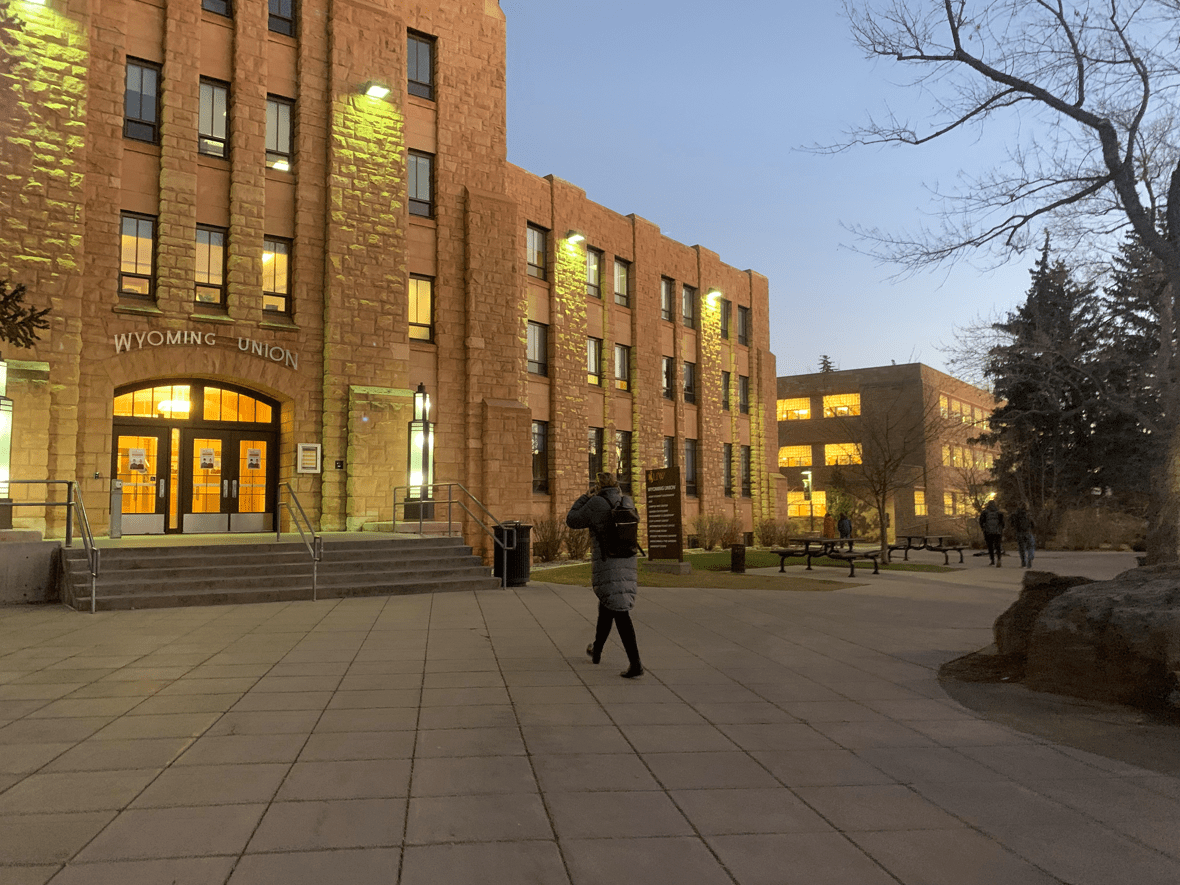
(1116, 641)
(1014, 627)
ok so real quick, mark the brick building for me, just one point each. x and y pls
(261, 227)
(928, 418)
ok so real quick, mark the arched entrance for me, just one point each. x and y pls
(195, 456)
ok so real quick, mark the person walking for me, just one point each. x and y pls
(615, 579)
(1026, 541)
(844, 526)
(991, 520)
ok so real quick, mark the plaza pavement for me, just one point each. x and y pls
(778, 737)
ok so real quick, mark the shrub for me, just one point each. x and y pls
(1093, 528)
(732, 532)
(546, 539)
(766, 532)
(709, 528)
(577, 543)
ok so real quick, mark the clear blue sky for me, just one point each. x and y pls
(690, 114)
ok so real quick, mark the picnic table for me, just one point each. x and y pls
(944, 544)
(808, 547)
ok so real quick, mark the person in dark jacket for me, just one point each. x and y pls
(991, 520)
(615, 580)
(1026, 542)
(844, 526)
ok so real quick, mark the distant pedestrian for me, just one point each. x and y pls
(844, 526)
(991, 520)
(1026, 541)
(829, 526)
(615, 578)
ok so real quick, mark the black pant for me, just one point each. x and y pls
(606, 617)
(993, 546)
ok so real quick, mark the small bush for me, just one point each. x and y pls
(1094, 528)
(709, 528)
(732, 533)
(546, 539)
(577, 543)
(766, 532)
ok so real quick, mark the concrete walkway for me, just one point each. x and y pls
(465, 737)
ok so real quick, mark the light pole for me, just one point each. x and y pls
(807, 497)
(421, 459)
(5, 448)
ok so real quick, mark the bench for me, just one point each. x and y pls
(794, 551)
(851, 558)
(906, 547)
(946, 550)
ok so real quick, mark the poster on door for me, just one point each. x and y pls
(207, 462)
(137, 460)
(253, 459)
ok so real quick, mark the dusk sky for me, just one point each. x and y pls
(692, 114)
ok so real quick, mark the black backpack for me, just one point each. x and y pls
(619, 536)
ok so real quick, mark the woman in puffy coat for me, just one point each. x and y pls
(615, 580)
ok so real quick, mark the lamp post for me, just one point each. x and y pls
(5, 448)
(807, 497)
(421, 459)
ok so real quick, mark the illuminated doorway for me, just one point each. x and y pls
(195, 457)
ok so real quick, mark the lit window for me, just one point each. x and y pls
(842, 453)
(538, 356)
(420, 65)
(541, 457)
(842, 405)
(727, 469)
(668, 374)
(690, 382)
(421, 175)
(747, 473)
(137, 256)
(622, 367)
(276, 275)
(210, 265)
(594, 452)
(282, 17)
(213, 119)
(745, 329)
(667, 286)
(594, 361)
(954, 504)
(593, 273)
(622, 283)
(538, 251)
(798, 409)
(919, 502)
(799, 506)
(689, 307)
(278, 133)
(141, 101)
(794, 456)
(944, 406)
(744, 394)
(623, 460)
(421, 312)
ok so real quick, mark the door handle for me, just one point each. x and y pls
(235, 488)
(225, 488)
(161, 487)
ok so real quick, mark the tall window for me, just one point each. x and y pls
(420, 65)
(210, 266)
(137, 268)
(688, 307)
(622, 283)
(690, 467)
(920, 502)
(218, 7)
(421, 175)
(622, 367)
(744, 394)
(278, 133)
(541, 457)
(745, 329)
(623, 460)
(669, 450)
(594, 452)
(538, 251)
(276, 275)
(593, 273)
(282, 17)
(690, 382)
(594, 361)
(747, 484)
(213, 119)
(668, 374)
(421, 312)
(141, 101)
(726, 308)
(667, 287)
(727, 469)
(842, 405)
(726, 380)
(538, 348)
(795, 409)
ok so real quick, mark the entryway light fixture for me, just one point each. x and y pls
(374, 89)
(575, 236)
(421, 461)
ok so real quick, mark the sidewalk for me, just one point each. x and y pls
(465, 737)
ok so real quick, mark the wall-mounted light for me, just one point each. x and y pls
(374, 89)
(714, 295)
(575, 236)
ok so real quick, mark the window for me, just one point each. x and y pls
(421, 309)
(421, 175)
(794, 456)
(842, 453)
(622, 283)
(744, 394)
(594, 361)
(213, 119)
(622, 367)
(726, 380)
(842, 405)
(538, 251)
(690, 467)
(920, 502)
(744, 329)
(594, 451)
(538, 348)
(278, 133)
(141, 101)
(667, 286)
(688, 307)
(218, 7)
(727, 469)
(276, 275)
(623, 460)
(282, 17)
(668, 376)
(799, 506)
(726, 308)
(137, 256)
(420, 65)
(669, 450)
(541, 457)
(690, 382)
(797, 409)
(954, 504)
(593, 273)
(210, 268)
(747, 479)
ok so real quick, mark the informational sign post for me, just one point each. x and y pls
(665, 534)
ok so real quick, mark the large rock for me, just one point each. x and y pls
(1115, 641)
(1014, 627)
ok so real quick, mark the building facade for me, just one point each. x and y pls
(911, 419)
(260, 227)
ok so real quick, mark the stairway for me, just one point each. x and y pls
(169, 576)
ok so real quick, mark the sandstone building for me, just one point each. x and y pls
(260, 227)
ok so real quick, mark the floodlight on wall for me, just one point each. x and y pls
(374, 89)
(575, 236)
(714, 295)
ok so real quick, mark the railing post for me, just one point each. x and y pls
(69, 513)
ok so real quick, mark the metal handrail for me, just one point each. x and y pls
(315, 547)
(73, 500)
(509, 531)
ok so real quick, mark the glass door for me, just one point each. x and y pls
(143, 462)
(206, 495)
(228, 484)
(253, 510)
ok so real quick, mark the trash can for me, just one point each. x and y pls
(737, 558)
(519, 559)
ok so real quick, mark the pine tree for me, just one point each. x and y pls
(826, 364)
(19, 324)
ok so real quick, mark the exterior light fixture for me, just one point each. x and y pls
(5, 448)
(421, 459)
(374, 89)
(714, 295)
(575, 236)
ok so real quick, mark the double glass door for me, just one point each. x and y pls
(225, 483)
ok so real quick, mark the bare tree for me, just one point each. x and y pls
(1086, 93)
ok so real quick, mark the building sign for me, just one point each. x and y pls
(184, 338)
(665, 537)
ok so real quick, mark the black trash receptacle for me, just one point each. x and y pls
(519, 559)
(737, 558)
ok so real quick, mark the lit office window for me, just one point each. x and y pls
(421, 308)
(276, 275)
(797, 409)
(137, 256)
(841, 405)
(842, 453)
(794, 456)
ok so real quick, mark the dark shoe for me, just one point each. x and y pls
(595, 657)
(632, 672)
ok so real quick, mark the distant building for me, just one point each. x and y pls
(827, 419)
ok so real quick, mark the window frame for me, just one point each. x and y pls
(726, 381)
(413, 308)
(538, 346)
(743, 394)
(594, 289)
(793, 456)
(623, 367)
(622, 268)
(137, 274)
(725, 308)
(689, 371)
(667, 288)
(745, 325)
(277, 159)
(276, 21)
(541, 471)
(669, 450)
(727, 469)
(415, 41)
(668, 377)
(130, 121)
(209, 142)
(594, 452)
(284, 296)
(784, 411)
(624, 459)
(747, 472)
(221, 289)
(537, 251)
(415, 162)
(688, 306)
(594, 361)
(689, 468)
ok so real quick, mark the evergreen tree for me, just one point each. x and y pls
(826, 364)
(19, 324)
